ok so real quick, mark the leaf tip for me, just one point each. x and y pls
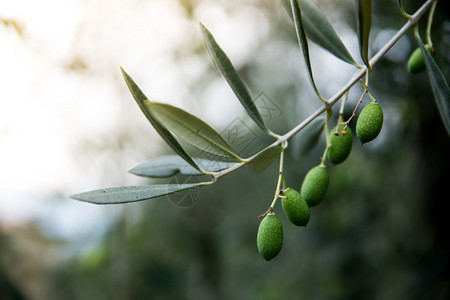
(125, 75)
(76, 197)
(203, 28)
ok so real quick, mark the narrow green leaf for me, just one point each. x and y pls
(439, 86)
(266, 158)
(309, 137)
(170, 165)
(142, 102)
(303, 41)
(364, 24)
(126, 194)
(228, 71)
(191, 129)
(319, 30)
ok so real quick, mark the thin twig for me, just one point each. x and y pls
(354, 110)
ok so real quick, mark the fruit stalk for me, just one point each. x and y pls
(341, 110)
(429, 23)
(278, 188)
(327, 138)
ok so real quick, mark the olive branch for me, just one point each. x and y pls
(173, 123)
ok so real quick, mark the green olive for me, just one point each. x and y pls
(369, 122)
(315, 185)
(416, 63)
(341, 144)
(295, 207)
(270, 236)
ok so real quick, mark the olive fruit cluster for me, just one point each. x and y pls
(296, 208)
(270, 232)
(296, 204)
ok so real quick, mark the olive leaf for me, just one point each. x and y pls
(126, 194)
(191, 129)
(309, 137)
(143, 102)
(319, 30)
(439, 86)
(266, 158)
(303, 41)
(170, 165)
(226, 68)
(364, 24)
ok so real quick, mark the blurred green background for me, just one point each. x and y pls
(380, 233)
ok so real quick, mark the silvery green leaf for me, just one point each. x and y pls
(170, 165)
(143, 102)
(303, 41)
(264, 160)
(126, 194)
(309, 137)
(191, 129)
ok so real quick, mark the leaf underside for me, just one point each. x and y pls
(170, 165)
(309, 137)
(142, 100)
(266, 159)
(127, 194)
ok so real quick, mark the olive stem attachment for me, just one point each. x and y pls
(367, 91)
(356, 108)
(366, 83)
(341, 113)
(280, 180)
(371, 97)
(327, 138)
(429, 23)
